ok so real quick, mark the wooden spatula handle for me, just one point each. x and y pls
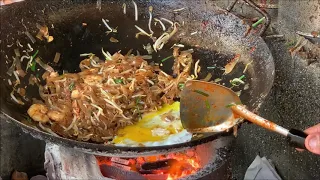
(260, 121)
(296, 138)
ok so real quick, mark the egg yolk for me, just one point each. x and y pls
(142, 131)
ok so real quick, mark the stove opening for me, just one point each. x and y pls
(160, 167)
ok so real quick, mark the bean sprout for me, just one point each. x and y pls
(188, 51)
(181, 9)
(135, 10)
(246, 67)
(24, 57)
(114, 105)
(47, 129)
(30, 48)
(107, 25)
(124, 6)
(71, 124)
(96, 117)
(196, 69)
(142, 32)
(131, 88)
(194, 33)
(15, 99)
(17, 77)
(161, 23)
(107, 55)
(94, 63)
(86, 54)
(167, 20)
(149, 81)
(99, 108)
(150, 19)
(92, 121)
(177, 45)
(164, 38)
(19, 44)
(138, 95)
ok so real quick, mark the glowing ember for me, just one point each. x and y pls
(173, 166)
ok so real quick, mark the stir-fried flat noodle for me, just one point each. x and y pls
(105, 96)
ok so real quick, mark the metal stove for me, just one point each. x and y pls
(206, 161)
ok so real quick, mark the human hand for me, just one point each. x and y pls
(5, 2)
(312, 141)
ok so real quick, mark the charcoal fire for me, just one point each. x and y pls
(167, 167)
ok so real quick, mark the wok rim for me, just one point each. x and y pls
(96, 148)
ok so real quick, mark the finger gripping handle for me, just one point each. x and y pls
(296, 138)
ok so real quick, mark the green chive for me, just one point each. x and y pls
(118, 81)
(164, 59)
(258, 22)
(33, 66)
(35, 54)
(237, 81)
(241, 77)
(202, 93)
(232, 104)
(207, 104)
(138, 99)
(181, 85)
(71, 86)
(33, 63)
(229, 105)
(211, 67)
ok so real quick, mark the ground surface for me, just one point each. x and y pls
(294, 102)
(19, 151)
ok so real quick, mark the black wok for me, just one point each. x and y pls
(220, 36)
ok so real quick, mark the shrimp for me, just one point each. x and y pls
(38, 112)
(56, 115)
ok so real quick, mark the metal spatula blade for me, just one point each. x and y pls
(204, 107)
(209, 107)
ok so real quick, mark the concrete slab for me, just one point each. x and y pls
(19, 151)
(294, 102)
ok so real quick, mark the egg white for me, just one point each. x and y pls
(152, 130)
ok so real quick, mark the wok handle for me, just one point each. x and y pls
(296, 138)
(260, 121)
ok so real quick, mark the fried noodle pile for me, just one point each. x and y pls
(107, 95)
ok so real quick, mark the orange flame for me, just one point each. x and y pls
(187, 163)
(186, 166)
